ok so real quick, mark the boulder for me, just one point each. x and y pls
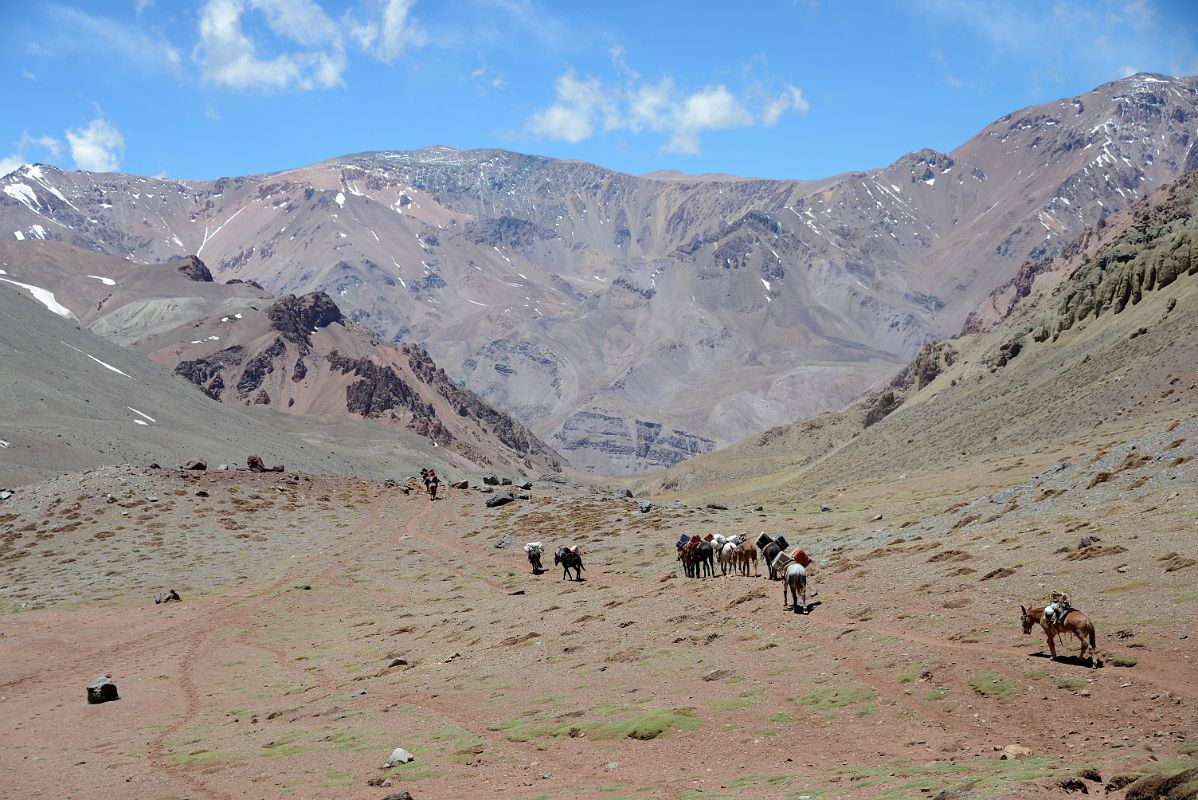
(526, 486)
(486, 489)
(169, 596)
(1013, 751)
(5, 494)
(399, 796)
(490, 480)
(825, 509)
(102, 690)
(223, 468)
(502, 542)
(646, 506)
(398, 756)
(500, 499)
(460, 485)
(505, 481)
(717, 506)
(254, 463)
(196, 463)
(628, 493)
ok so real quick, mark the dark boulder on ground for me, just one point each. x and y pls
(196, 463)
(490, 480)
(500, 499)
(526, 486)
(102, 690)
(460, 485)
(169, 596)
(646, 507)
(505, 481)
(717, 506)
(254, 464)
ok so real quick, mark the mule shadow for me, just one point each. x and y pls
(809, 608)
(1072, 661)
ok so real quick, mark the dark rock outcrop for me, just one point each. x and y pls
(196, 463)
(192, 268)
(169, 596)
(206, 372)
(258, 367)
(296, 317)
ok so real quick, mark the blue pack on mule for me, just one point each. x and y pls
(683, 539)
(781, 540)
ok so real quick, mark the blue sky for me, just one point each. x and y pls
(768, 88)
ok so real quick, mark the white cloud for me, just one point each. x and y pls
(97, 148)
(583, 105)
(228, 57)
(1126, 71)
(27, 75)
(387, 37)
(790, 99)
(20, 156)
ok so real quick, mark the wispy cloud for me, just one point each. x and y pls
(391, 34)
(309, 45)
(21, 153)
(1107, 34)
(77, 32)
(584, 106)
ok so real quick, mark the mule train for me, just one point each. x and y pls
(737, 555)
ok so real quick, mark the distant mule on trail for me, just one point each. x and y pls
(1076, 622)
(795, 581)
(569, 560)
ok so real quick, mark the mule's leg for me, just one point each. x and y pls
(1052, 647)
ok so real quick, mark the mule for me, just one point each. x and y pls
(746, 554)
(769, 553)
(534, 558)
(569, 560)
(795, 580)
(698, 561)
(727, 559)
(1076, 622)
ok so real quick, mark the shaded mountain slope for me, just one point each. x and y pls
(295, 354)
(1105, 349)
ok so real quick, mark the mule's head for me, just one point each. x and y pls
(1027, 619)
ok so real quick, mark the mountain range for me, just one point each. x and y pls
(630, 322)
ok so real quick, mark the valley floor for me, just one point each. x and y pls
(326, 621)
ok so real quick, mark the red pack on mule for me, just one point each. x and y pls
(709, 537)
(801, 557)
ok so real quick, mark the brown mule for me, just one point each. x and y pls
(1075, 622)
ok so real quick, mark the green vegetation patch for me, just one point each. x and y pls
(982, 776)
(993, 684)
(833, 697)
(913, 671)
(1072, 683)
(1121, 660)
(201, 757)
(737, 703)
(630, 723)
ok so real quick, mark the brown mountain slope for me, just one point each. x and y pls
(1105, 350)
(298, 355)
(635, 321)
